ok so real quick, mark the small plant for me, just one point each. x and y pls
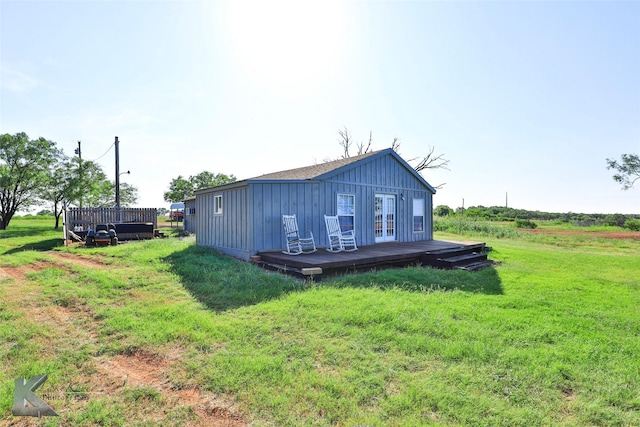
(525, 223)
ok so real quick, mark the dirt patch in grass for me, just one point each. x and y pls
(591, 234)
(72, 320)
(78, 260)
(61, 260)
(144, 369)
(15, 273)
(60, 316)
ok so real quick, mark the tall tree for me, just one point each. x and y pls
(430, 161)
(206, 179)
(346, 142)
(78, 182)
(24, 167)
(62, 181)
(627, 170)
(93, 187)
(128, 194)
(181, 188)
(102, 195)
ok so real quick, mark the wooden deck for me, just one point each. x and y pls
(428, 252)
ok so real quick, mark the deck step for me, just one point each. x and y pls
(460, 260)
(478, 247)
(432, 256)
(475, 266)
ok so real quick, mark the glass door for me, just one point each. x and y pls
(384, 226)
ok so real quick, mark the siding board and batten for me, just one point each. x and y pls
(251, 220)
(189, 220)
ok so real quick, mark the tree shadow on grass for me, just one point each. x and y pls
(42, 245)
(222, 283)
(15, 232)
(425, 279)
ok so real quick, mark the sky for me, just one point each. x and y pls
(526, 99)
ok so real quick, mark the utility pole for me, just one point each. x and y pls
(461, 215)
(117, 144)
(506, 200)
(78, 151)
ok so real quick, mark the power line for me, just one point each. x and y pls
(105, 153)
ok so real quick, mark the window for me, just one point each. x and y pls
(347, 211)
(418, 215)
(217, 205)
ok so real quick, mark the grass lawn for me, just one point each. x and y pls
(163, 332)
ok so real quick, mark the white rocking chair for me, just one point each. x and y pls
(339, 240)
(296, 245)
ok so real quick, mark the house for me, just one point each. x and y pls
(377, 194)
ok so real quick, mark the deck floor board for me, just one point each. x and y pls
(365, 256)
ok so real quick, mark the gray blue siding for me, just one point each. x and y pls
(229, 231)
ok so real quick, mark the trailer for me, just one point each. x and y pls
(128, 223)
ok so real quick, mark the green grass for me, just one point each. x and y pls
(550, 336)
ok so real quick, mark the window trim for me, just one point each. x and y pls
(352, 196)
(217, 204)
(422, 215)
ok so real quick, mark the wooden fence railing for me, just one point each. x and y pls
(90, 217)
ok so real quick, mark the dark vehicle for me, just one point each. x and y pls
(103, 234)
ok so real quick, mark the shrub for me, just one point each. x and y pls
(616, 220)
(632, 224)
(525, 223)
(461, 225)
(442, 210)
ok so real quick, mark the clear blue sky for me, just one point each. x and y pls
(524, 97)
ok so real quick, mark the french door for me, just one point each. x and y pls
(384, 226)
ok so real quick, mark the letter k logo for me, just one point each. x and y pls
(26, 403)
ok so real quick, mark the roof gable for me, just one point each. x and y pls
(326, 170)
(373, 156)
